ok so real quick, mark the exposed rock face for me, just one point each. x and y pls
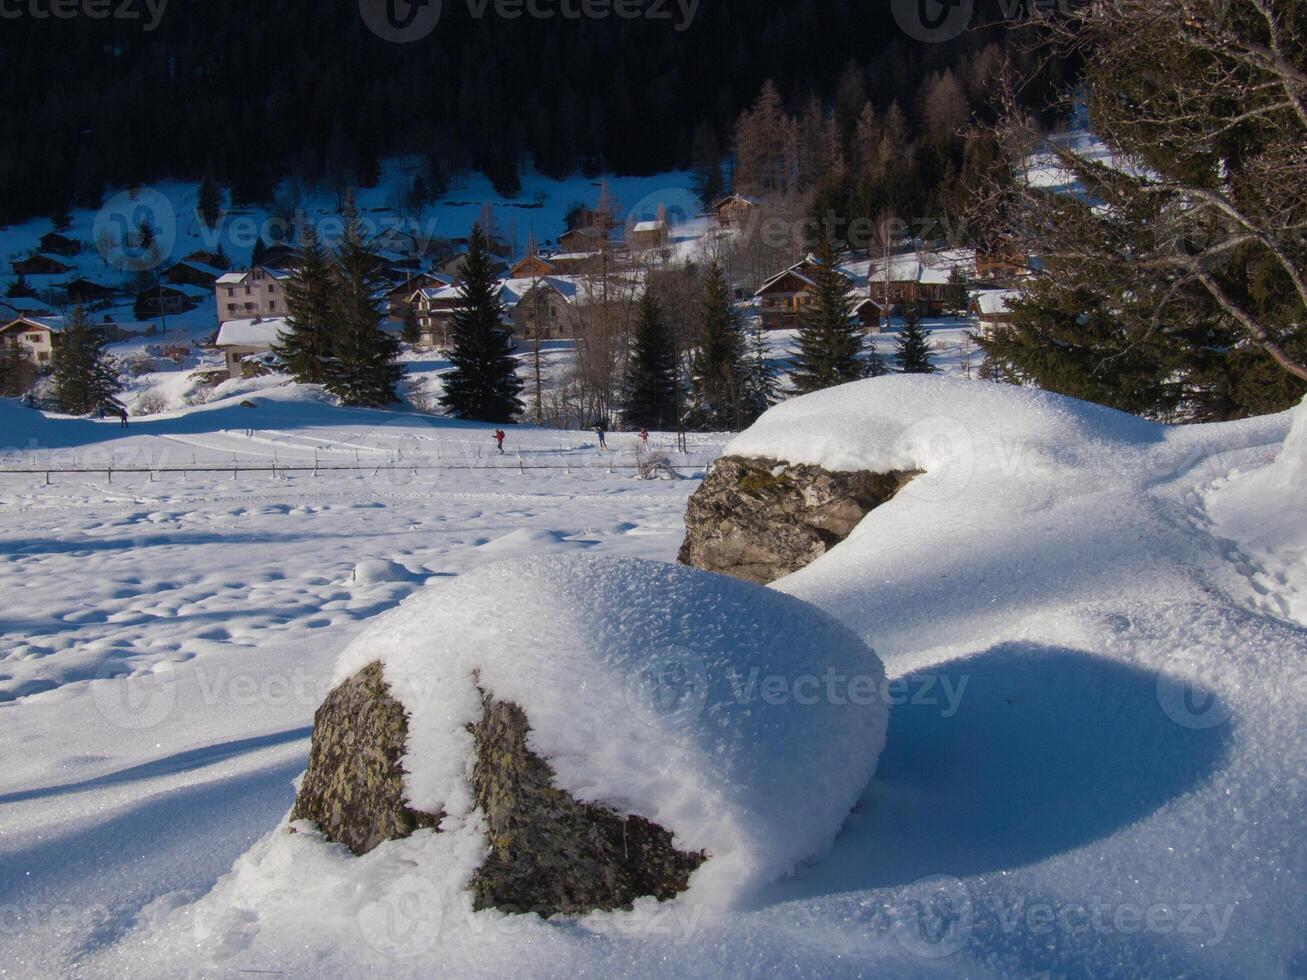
(548, 851)
(354, 787)
(551, 853)
(759, 519)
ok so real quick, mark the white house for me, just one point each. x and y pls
(237, 339)
(34, 337)
(257, 292)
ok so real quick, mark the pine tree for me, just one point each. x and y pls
(483, 384)
(20, 287)
(62, 218)
(84, 378)
(362, 368)
(761, 390)
(955, 293)
(412, 332)
(649, 392)
(210, 200)
(873, 365)
(830, 340)
(912, 349)
(16, 371)
(311, 307)
(718, 371)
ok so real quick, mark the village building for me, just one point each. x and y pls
(732, 210)
(645, 235)
(168, 298)
(13, 307)
(34, 337)
(434, 308)
(41, 264)
(398, 298)
(583, 239)
(991, 310)
(84, 290)
(257, 292)
(787, 295)
(1000, 266)
(56, 243)
(192, 272)
(530, 266)
(542, 308)
(239, 339)
(907, 283)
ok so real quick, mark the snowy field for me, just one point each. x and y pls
(1095, 762)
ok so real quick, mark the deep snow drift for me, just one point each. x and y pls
(1095, 762)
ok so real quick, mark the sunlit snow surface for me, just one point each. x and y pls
(1095, 758)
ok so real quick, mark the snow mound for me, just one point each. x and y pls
(1265, 512)
(527, 541)
(907, 422)
(744, 721)
(373, 571)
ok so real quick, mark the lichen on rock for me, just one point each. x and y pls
(762, 519)
(354, 787)
(547, 852)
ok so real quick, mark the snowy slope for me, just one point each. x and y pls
(1095, 760)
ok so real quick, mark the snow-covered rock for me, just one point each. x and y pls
(373, 571)
(743, 721)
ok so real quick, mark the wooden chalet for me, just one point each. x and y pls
(56, 243)
(41, 264)
(83, 291)
(732, 210)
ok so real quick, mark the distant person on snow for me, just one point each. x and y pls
(644, 438)
(122, 414)
(599, 431)
(499, 439)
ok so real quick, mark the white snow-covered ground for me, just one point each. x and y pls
(1095, 763)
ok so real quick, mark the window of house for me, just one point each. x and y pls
(272, 305)
(42, 356)
(272, 287)
(34, 338)
(231, 307)
(248, 291)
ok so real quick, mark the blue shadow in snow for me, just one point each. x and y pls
(1049, 749)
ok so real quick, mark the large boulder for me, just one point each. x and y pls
(354, 786)
(566, 734)
(761, 519)
(547, 852)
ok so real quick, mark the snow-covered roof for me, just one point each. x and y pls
(235, 278)
(202, 267)
(26, 304)
(258, 332)
(54, 324)
(649, 226)
(993, 302)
